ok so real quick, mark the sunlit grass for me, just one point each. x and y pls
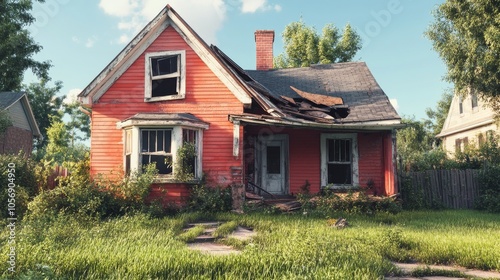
(286, 246)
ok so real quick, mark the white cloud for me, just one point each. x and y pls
(119, 8)
(206, 19)
(394, 103)
(75, 39)
(252, 6)
(91, 42)
(71, 96)
(123, 39)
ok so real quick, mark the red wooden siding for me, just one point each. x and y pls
(305, 159)
(371, 160)
(206, 97)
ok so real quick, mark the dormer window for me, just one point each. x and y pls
(165, 76)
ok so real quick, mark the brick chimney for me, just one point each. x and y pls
(264, 45)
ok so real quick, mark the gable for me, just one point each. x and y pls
(166, 19)
(465, 117)
(18, 116)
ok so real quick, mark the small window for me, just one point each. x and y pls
(156, 148)
(460, 105)
(165, 76)
(128, 150)
(339, 161)
(474, 100)
(480, 139)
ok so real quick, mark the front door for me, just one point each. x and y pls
(273, 160)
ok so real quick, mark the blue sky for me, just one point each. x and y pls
(82, 37)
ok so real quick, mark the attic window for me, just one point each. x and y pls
(165, 76)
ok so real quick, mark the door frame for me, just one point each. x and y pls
(260, 145)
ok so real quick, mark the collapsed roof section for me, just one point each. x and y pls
(306, 106)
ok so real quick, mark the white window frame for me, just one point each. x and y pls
(354, 159)
(135, 158)
(181, 75)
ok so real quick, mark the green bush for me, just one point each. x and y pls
(489, 189)
(351, 202)
(209, 199)
(17, 170)
(79, 194)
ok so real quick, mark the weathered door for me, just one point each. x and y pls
(273, 159)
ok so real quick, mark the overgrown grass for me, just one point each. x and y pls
(286, 247)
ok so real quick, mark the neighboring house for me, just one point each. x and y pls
(469, 121)
(19, 136)
(335, 128)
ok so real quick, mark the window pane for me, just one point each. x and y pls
(164, 87)
(273, 160)
(127, 164)
(339, 174)
(160, 162)
(144, 141)
(339, 150)
(168, 141)
(152, 141)
(331, 150)
(164, 65)
(159, 140)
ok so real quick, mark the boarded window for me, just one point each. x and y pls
(156, 148)
(339, 161)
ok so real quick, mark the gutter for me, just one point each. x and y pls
(371, 125)
(465, 128)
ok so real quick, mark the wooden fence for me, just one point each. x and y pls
(456, 189)
(58, 171)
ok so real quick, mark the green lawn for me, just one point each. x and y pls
(286, 247)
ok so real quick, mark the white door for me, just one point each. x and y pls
(273, 166)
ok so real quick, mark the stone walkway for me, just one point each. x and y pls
(407, 268)
(206, 242)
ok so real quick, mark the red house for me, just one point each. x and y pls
(330, 125)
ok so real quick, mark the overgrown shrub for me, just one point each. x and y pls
(351, 202)
(209, 199)
(489, 189)
(23, 177)
(79, 194)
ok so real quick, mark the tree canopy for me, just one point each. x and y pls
(466, 34)
(17, 47)
(304, 46)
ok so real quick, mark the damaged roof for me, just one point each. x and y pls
(350, 81)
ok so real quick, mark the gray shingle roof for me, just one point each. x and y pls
(9, 98)
(352, 81)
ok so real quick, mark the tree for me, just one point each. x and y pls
(304, 47)
(17, 47)
(59, 148)
(46, 105)
(78, 124)
(466, 34)
(437, 117)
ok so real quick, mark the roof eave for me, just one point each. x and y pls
(299, 123)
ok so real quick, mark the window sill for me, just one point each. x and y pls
(164, 98)
(340, 188)
(171, 180)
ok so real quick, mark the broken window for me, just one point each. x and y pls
(156, 148)
(165, 77)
